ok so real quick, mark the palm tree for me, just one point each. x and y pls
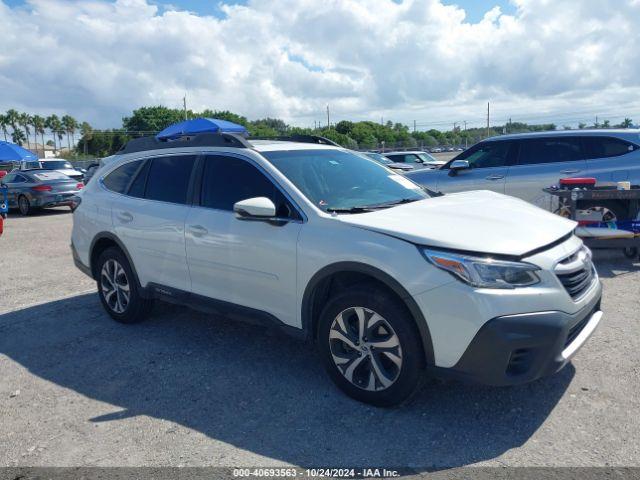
(53, 124)
(87, 134)
(627, 123)
(4, 123)
(39, 125)
(25, 121)
(70, 125)
(12, 117)
(18, 136)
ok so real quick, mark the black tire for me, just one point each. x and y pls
(405, 379)
(135, 308)
(24, 206)
(630, 252)
(608, 207)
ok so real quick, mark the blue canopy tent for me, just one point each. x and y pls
(200, 125)
(10, 152)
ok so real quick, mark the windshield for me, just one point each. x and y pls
(425, 157)
(335, 180)
(56, 165)
(34, 164)
(379, 158)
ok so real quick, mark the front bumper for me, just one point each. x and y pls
(516, 349)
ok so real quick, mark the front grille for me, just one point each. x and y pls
(576, 273)
(576, 329)
(576, 283)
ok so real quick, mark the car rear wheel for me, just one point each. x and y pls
(370, 347)
(23, 205)
(118, 288)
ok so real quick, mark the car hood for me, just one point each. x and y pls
(480, 221)
(400, 166)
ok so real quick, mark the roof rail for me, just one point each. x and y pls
(199, 140)
(300, 139)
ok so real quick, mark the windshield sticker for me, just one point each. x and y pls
(404, 182)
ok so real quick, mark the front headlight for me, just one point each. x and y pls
(484, 272)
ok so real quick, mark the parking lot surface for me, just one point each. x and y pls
(184, 388)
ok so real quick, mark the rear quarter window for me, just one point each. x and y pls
(118, 180)
(605, 147)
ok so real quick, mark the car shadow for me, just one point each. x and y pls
(613, 263)
(262, 391)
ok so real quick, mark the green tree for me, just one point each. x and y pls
(55, 126)
(627, 123)
(150, 120)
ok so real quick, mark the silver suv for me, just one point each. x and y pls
(522, 165)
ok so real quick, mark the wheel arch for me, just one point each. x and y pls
(316, 291)
(99, 244)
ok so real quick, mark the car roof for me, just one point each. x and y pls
(281, 145)
(617, 132)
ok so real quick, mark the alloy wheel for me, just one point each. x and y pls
(365, 349)
(23, 205)
(115, 286)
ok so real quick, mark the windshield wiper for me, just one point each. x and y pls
(393, 204)
(349, 210)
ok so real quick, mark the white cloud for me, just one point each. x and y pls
(417, 59)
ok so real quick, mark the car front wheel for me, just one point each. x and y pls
(370, 346)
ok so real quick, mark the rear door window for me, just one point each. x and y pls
(118, 181)
(168, 178)
(549, 150)
(139, 183)
(604, 147)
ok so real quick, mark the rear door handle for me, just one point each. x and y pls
(198, 230)
(569, 171)
(495, 177)
(125, 217)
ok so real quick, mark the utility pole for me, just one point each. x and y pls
(466, 139)
(414, 126)
(509, 128)
(488, 113)
(596, 124)
(328, 117)
(184, 104)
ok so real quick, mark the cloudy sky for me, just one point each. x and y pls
(432, 61)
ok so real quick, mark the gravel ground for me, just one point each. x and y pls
(77, 389)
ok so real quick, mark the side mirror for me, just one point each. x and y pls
(458, 165)
(258, 208)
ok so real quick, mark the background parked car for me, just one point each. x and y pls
(62, 166)
(399, 167)
(522, 165)
(30, 189)
(418, 159)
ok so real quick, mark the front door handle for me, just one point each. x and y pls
(570, 171)
(495, 177)
(125, 217)
(197, 230)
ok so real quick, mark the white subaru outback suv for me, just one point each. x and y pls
(389, 281)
